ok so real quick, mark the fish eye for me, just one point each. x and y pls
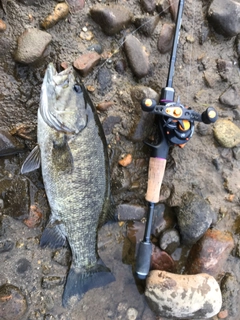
(77, 88)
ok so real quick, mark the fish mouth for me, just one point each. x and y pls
(51, 82)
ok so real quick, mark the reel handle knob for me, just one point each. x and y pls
(148, 105)
(209, 116)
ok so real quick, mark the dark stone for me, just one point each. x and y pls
(204, 32)
(104, 79)
(225, 17)
(9, 145)
(50, 282)
(162, 7)
(230, 294)
(23, 265)
(146, 25)
(137, 56)
(165, 40)
(148, 5)
(109, 123)
(194, 218)
(6, 245)
(169, 240)
(130, 212)
(96, 47)
(112, 19)
(120, 66)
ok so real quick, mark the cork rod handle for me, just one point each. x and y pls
(155, 176)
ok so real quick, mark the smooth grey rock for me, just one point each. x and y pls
(230, 97)
(183, 296)
(194, 218)
(165, 40)
(31, 45)
(9, 145)
(225, 17)
(112, 19)
(126, 212)
(226, 133)
(230, 294)
(137, 56)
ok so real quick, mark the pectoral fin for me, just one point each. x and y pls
(32, 161)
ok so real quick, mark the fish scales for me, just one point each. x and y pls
(72, 151)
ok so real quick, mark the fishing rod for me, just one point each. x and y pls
(176, 127)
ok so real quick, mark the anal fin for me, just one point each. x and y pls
(53, 236)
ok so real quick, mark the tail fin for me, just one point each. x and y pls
(79, 282)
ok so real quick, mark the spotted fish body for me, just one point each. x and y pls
(75, 172)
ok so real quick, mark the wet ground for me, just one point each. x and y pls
(203, 166)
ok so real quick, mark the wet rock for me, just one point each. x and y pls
(121, 179)
(226, 133)
(104, 79)
(194, 218)
(210, 253)
(109, 123)
(221, 13)
(146, 25)
(126, 212)
(143, 121)
(230, 294)
(3, 26)
(50, 282)
(137, 56)
(13, 304)
(120, 66)
(160, 260)
(173, 8)
(112, 19)
(60, 12)
(180, 296)
(230, 97)
(165, 40)
(62, 256)
(163, 219)
(225, 68)
(135, 231)
(125, 161)
(75, 5)
(86, 62)
(35, 217)
(148, 5)
(169, 240)
(9, 144)
(23, 265)
(31, 45)
(6, 245)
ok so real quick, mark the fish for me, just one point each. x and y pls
(72, 153)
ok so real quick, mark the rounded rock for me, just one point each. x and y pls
(226, 133)
(169, 240)
(31, 45)
(181, 296)
(60, 12)
(165, 40)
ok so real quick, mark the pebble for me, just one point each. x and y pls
(137, 56)
(230, 295)
(86, 62)
(96, 47)
(31, 45)
(132, 314)
(126, 212)
(88, 35)
(105, 105)
(125, 161)
(183, 296)
(225, 68)
(165, 39)
(143, 121)
(13, 304)
(3, 26)
(146, 25)
(226, 133)
(236, 153)
(49, 282)
(120, 66)
(220, 15)
(104, 78)
(6, 245)
(75, 5)
(210, 253)
(112, 19)
(230, 98)
(162, 7)
(173, 8)
(148, 5)
(194, 218)
(60, 12)
(35, 217)
(62, 256)
(23, 266)
(160, 260)
(169, 240)
(9, 145)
